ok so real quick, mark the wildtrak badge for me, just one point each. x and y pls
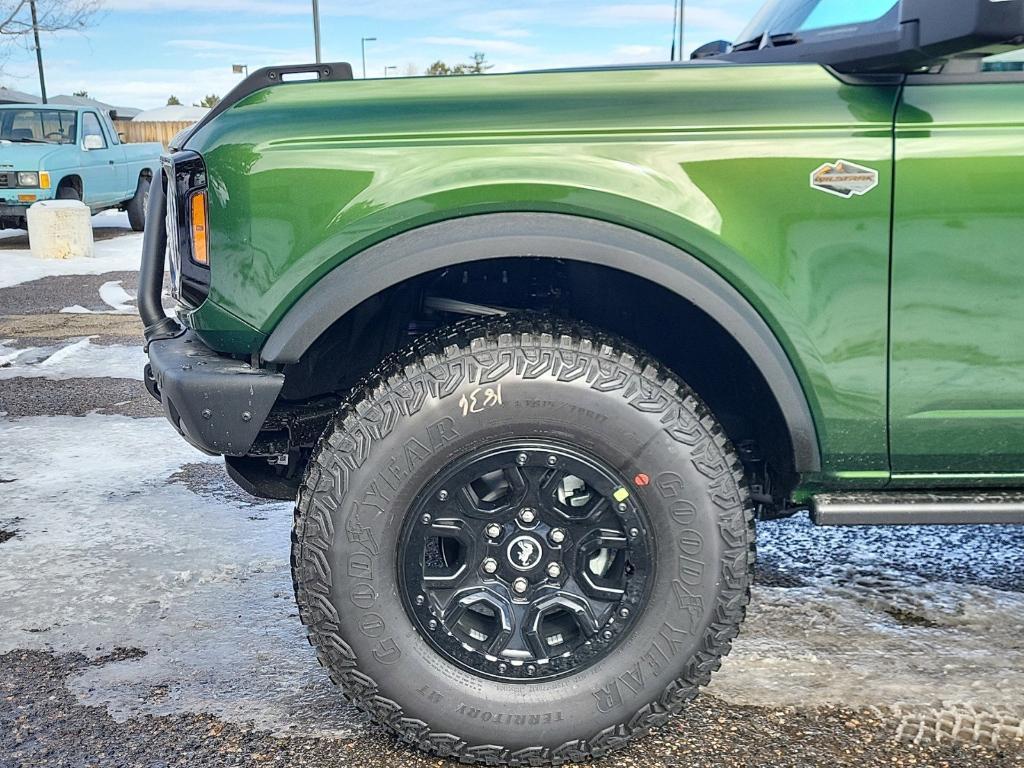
(844, 179)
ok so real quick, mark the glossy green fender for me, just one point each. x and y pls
(712, 161)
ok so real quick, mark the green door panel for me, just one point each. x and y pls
(715, 160)
(957, 403)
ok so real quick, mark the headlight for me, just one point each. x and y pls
(28, 179)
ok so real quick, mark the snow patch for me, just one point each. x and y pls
(111, 554)
(117, 254)
(79, 359)
(974, 723)
(114, 296)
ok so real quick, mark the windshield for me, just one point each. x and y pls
(49, 126)
(781, 17)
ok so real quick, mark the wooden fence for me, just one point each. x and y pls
(135, 131)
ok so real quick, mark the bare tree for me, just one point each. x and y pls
(51, 15)
(24, 20)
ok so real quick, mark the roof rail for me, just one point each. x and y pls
(264, 78)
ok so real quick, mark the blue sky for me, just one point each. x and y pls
(138, 51)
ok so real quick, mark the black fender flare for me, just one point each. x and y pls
(559, 236)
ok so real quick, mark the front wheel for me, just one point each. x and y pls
(522, 543)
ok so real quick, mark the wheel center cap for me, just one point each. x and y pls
(524, 552)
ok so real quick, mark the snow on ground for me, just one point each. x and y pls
(75, 359)
(112, 255)
(113, 294)
(109, 553)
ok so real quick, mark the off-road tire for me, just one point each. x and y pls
(562, 381)
(136, 207)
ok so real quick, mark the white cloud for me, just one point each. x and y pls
(219, 45)
(637, 52)
(478, 44)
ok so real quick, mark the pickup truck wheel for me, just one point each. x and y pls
(521, 542)
(137, 206)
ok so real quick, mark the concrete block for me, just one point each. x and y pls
(60, 229)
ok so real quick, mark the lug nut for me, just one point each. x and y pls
(552, 460)
(527, 515)
(607, 634)
(420, 599)
(426, 519)
(493, 530)
(490, 565)
(554, 570)
(442, 495)
(634, 532)
(432, 624)
(557, 536)
(520, 585)
(521, 459)
(623, 613)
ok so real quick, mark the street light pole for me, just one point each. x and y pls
(316, 28)
(362, 44)
(39, 50)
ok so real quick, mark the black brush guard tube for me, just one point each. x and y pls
(151, 275)
(217, 403)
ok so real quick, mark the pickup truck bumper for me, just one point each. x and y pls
(217, 403)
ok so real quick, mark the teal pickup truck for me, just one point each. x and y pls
(533, 352)
(52, 151)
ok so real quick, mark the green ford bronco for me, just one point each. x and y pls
(533, 352)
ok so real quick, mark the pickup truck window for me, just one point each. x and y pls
(51, 126)
(91, 127)
(111, 129)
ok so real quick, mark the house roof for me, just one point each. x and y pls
(11, 96)
(85, 101)
(172, 113)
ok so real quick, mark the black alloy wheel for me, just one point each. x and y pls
(526, 561)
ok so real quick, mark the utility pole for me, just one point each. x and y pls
(39, 51)
(682, 18)
(316, 28)
(362, 44)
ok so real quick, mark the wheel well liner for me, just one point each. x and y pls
(573, 238)
(71, 180)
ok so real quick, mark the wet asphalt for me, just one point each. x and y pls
(45, 720)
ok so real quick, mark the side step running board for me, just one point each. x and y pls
(914, 508)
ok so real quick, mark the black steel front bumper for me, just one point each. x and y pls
(216, 402)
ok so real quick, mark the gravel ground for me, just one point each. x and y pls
(42, 723)
(53, 294)
(76, 397)
(147, 616)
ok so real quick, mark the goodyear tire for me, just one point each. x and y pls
(521, 542)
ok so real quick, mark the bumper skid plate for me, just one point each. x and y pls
(217, 403)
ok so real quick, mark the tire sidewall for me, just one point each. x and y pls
(695, 508)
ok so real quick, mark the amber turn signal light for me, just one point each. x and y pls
(200, 240)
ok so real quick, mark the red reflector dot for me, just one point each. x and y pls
(641, 480)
